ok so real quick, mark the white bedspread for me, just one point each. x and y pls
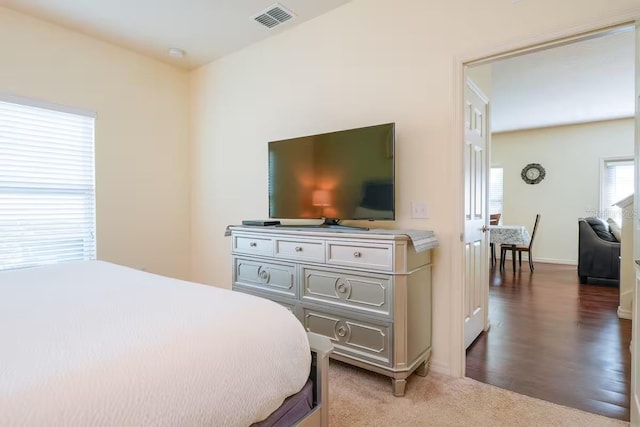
(87, 344)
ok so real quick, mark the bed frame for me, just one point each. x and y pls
(321, 348)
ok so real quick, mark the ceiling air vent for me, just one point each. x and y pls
(274, 15)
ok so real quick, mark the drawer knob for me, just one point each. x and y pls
(253, 244)
(342, 288)
(357, 254)
(342, 331)
(264, 275)
(298, 249)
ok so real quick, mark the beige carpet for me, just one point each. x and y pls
(361, 398)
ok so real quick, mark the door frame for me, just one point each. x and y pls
(593, 28)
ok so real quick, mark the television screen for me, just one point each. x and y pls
(347, 174)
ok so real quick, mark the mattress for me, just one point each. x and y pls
(95, 343)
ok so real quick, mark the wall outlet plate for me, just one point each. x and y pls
(419, 210)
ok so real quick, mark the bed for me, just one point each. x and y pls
(94, 343)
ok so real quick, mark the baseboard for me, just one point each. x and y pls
(546, 260)
(623, 313)
(439, 368)
(556, 261)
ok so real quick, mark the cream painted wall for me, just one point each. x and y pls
(481, 75)
(368, 62)
(571, 156)
(141, 134)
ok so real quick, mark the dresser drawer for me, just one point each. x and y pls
(300, 250)
(375, 256)
(367, 293)
(253, 245)
(265, 276)
(363, 340)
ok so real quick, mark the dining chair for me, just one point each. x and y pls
(494, 219)
(519, 248)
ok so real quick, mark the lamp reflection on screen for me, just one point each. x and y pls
(321, 199)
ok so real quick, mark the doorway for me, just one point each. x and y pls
(523, 136)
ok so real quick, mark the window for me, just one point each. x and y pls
(496, 190)
(47, 189)
(617, 183)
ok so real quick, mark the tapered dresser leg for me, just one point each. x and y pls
(422, 369)
(398, 386)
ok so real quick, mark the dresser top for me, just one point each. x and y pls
(421, 239)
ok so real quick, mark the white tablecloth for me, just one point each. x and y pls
(509, 235)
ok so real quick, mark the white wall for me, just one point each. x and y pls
(141, 134)
(571, 156)
(368, 62)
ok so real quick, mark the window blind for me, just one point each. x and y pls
(47, 186)
(618, 184)
(496, 189)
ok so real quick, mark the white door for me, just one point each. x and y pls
(475, 235)
(635, 317)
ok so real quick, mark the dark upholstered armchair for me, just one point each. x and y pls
(598, 251)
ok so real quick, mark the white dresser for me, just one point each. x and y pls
(370, 293)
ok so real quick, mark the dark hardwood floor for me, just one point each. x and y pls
(556, 340)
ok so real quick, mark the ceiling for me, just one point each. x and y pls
(579, 82)
(585, 81)
(204, 29)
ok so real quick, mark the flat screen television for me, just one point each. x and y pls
(343, 175)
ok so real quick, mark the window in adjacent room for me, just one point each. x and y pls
(616, 184)
(496, 191)
(47, 186)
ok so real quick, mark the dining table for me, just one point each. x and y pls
(512, 235)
